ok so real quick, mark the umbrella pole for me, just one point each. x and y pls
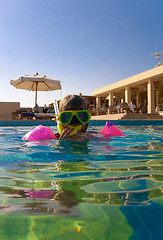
(36, 98)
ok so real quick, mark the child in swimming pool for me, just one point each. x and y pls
(73, 118)
(72, 123)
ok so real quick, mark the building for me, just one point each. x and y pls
(90, 102)
(146, 88)
(7, 109)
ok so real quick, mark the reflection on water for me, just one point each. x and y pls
(98, 188)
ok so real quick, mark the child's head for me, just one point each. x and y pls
(74, 103)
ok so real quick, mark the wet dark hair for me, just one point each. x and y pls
(72, 102)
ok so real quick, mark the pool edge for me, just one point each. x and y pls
(91, 123)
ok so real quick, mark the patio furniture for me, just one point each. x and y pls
(47, 116)
(23, 113)
(112, 109)
(125, 107)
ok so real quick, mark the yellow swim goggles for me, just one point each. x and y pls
(82, 115)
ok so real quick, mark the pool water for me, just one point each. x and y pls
(98, 188)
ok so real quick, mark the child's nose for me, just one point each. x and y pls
(75, 120)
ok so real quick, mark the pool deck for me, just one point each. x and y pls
(129, 116)
(108, 117)
(128, 119)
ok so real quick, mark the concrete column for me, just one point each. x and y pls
(137, 97)
(127, 94)
(98, 102)
(110, 97)
(150, 96)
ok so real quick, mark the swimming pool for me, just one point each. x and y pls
(99, 188)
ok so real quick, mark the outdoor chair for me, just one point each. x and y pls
(23, 113)
(112, 109)
(47, 116)
(125, 107)
(28, 115)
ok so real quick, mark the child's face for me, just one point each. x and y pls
(70, 117)
(76, 119)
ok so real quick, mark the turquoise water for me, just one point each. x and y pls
(99, 188)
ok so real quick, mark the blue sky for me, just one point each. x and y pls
(86, 44)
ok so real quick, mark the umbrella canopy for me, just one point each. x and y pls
(36, 83)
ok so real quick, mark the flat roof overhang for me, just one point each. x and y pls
(134, 81)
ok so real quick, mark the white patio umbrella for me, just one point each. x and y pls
(36, 83)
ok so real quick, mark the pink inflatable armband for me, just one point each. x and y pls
(39, 133)
(111, 130)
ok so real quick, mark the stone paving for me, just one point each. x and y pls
(128, 116)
